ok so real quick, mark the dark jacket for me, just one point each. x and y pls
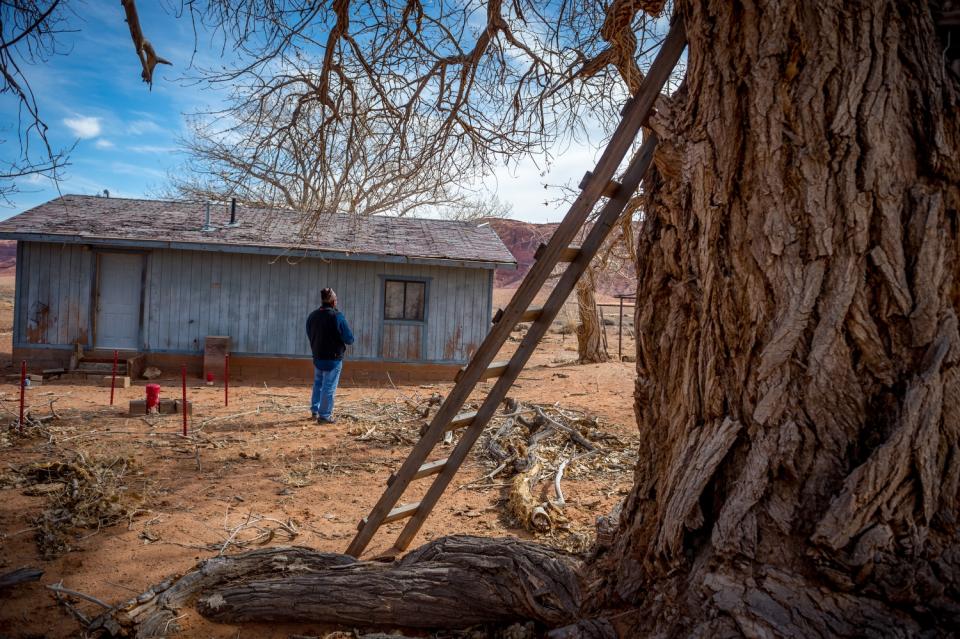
(329, 333)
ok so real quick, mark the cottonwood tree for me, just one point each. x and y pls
(797, 374)
(28, 30)
(267, 154)
(386, 106)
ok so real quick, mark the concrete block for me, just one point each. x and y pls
(122, 381)
(166, 407)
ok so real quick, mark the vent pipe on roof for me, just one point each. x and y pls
(233, 214)
(206, 224)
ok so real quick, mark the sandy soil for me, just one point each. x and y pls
(257, 460)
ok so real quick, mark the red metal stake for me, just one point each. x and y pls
(23, 383)
(113, 380)
(183, 372)
(226, 379)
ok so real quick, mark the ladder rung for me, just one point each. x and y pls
(460, 421)
(495, 369)
(568, 254)
(430, 468)
(610, 190)
(400, 512)
(529, 315)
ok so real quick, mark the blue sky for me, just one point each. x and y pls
(127, 136)
(92, 95)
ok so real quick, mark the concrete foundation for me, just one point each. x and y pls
(249, 368)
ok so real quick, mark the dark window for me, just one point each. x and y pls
(404, 300)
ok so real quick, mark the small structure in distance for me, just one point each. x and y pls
(144, 277)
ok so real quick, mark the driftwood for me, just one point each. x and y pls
(522, 504)
(453, 582)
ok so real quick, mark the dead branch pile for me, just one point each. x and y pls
(34, 423)
(535, 446)
(389, 423)
(527, 448)
(81, 494)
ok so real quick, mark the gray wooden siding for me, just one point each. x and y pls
(261, 302)
(53, 294)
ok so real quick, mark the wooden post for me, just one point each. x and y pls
(183, 409)
(23, 384)
(113, 379)
(620, 332)
(603, 328)
(226, 379)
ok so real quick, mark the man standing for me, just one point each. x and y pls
(329, 336)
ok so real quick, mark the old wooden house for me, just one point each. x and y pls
(156, 278)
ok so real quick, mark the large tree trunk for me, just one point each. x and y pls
(798, 392)
(590, 343)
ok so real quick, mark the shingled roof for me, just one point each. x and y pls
(154, 223)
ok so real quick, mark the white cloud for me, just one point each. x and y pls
(103, 144)
(139, 127)
(84, 127)
(151, 148)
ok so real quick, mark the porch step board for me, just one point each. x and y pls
(101, 368)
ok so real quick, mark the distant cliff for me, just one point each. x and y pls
(522, 238)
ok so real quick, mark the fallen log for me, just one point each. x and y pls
(522, 504)
(451, 583)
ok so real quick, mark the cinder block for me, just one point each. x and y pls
(165, 407)
(122, 381)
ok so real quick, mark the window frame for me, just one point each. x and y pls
(404, 279)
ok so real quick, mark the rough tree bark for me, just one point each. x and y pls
(453, 582)
(590, 346)
(798, 391)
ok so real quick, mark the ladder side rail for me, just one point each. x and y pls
(635, 115)
(607, 219)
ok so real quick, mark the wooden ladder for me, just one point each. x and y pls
(596, 184)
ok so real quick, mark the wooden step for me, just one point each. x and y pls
(426, 470)
(101, 368)
(529, 315)
(495, 369)
(568, 254)
(460, 421)
(610, 190)
(400, 512)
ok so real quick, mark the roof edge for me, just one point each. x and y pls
(22, 236)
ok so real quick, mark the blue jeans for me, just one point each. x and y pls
(324, 386)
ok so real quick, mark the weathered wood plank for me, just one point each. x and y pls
(567, 254)
(425, 470)
(529, 315)
(461, 421)
(496, 369)
(400, 512)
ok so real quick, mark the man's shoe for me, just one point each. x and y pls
(326, 420)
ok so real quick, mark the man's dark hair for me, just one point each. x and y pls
(326, 295)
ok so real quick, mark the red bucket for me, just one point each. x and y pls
(153, 396)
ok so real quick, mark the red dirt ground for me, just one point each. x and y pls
(259, 457)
